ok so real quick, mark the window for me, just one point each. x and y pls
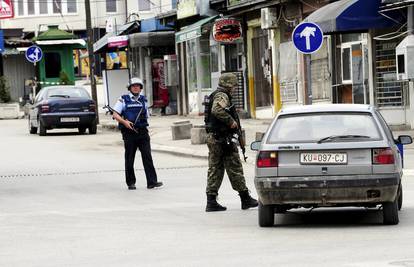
(313, 127)
(43, 7)
(173, 4)
(346, 65)
(52, 65)
(57, 6)
(30, 7)
(20, 7)
(110, 6)
(214, 58)
(144, 5)
(71, 6)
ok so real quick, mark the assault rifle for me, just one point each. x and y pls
(233, 113)
(112, 111)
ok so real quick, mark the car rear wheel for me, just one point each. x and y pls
(390, 212)
(82, 130)
(400, 197)
(32, 129)
(266, 215)
(42, 129)
(92, 128)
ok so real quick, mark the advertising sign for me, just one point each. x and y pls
(118, 41)
(6, 9)
(227, 30)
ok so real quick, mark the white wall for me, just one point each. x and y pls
(75, 21)
(157, 7)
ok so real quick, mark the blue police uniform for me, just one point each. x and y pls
(135, 109)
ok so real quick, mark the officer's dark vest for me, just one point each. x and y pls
(132, 109)
(214, 125)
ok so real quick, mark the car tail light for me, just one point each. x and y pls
(92, 107)
(44, 108)
(383, 156)
(267, 159)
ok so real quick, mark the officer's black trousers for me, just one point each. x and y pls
(132, 142)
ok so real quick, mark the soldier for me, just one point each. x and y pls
(131, 111)
(223, 153)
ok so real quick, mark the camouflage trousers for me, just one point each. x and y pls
(220, 159)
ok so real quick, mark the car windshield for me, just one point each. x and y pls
(324, 127)
(69, 92)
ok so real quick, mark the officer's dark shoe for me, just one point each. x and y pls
(212, 204)
(131, 187)
(157, 184)
(247, 201)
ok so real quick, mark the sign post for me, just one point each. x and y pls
(307, 38)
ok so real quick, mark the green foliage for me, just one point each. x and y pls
(4, 90)
(64, 78)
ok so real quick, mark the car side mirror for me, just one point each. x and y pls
(255, 145)
(404, 139)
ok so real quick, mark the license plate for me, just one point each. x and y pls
(323, 158)
(69, 119)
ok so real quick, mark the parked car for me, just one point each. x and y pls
(62, 107)
(327, 156)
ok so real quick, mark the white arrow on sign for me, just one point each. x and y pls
(307, 33)
(35, 55)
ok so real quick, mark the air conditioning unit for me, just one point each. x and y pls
(404, 53)
(268, 18)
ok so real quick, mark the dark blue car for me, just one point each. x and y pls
(62, 107)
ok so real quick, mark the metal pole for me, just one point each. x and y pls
(90, 55)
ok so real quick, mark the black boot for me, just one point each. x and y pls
(212, 204)
(247, 201)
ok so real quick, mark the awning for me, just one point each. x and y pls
(152, 39)
(350, 15)
(101, 44)
(192, 31)
(55, 42)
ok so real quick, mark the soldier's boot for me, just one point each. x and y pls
(212, 204)
(247, 201)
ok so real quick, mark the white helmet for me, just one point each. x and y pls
(135, 80)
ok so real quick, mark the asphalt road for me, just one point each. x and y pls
(63, 202)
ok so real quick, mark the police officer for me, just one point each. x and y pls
(223, 154)
(132, 115)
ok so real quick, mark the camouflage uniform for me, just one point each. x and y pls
(220, 159)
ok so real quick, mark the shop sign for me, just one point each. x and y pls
(6, 9)
(118, 41)
(186, 8)
(227, 30)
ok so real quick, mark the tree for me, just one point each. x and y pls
(4, 90)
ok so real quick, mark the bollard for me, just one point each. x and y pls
(181, 130)
(198, 134)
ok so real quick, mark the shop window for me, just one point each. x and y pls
(214, 58)
(52, 65)
(192, 65)
(205, 72)
(320, 71)
(346, 65)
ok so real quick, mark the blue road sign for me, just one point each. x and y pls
(1, 41)
(34, 54)
(307, 37)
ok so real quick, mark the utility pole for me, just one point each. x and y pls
(90, 55)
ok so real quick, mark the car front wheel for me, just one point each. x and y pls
(266, 215)
(390, 212)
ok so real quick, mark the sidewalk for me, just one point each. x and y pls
(161, 136)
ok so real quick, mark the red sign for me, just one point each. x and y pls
(6, 9)
(227, 30)
(118, 41)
